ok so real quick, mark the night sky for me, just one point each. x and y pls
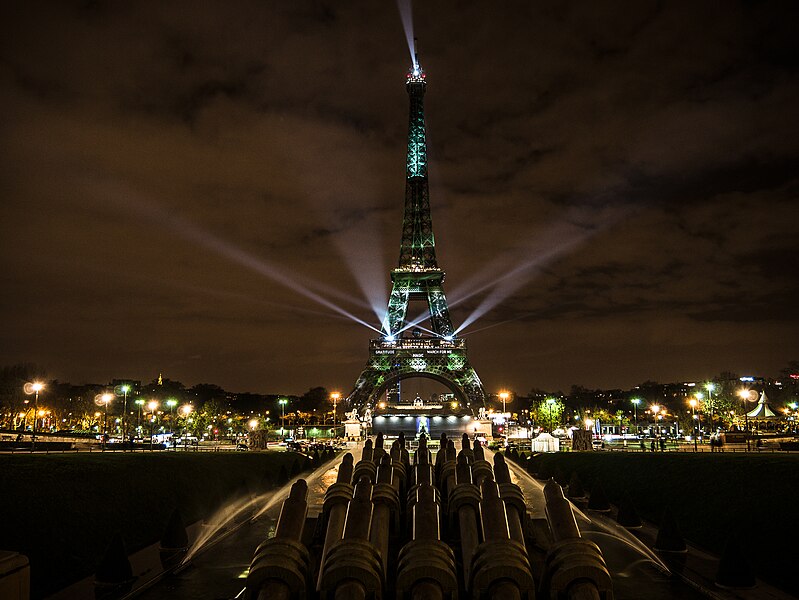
(613, 186)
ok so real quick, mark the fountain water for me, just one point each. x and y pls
(621, 549)
(226, 520)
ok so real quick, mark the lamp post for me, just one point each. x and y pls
(282, 402)
(334, 397)
(34, 388)
(172, 403)
(655, 410)
(185, 410)
(105, 399)
(636, 402)
(139, 403)
(550, 402)
(745, 394)
(710, 387)
(692, 402)
(152, 405)
(124, 388)
(504, 397)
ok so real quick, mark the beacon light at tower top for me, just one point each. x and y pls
(416, 74)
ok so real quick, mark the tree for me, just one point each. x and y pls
(316, 398)
(12, 381)
(204, 392)
(548, 413)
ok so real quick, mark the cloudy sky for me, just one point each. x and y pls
(215, 190)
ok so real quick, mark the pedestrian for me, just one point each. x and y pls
(662, 444)
(643, 446)
(652, 445)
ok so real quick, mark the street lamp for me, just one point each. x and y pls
(745, 395)
(105, 399)
(504, 397)
(152, 405)
(550, 402)
(124, 388)
(636, 402)
(171, 403)
(710, 387)
(139, 403)
(34, 388)
(185, 410)
(693, 403)
(655, 410)
(334, 397)
(282, 402)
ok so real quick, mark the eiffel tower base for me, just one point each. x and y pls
(438, 359)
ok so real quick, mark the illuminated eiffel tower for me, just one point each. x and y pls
(436, 353)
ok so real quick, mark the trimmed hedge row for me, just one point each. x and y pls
(61, 510)
(712, 497)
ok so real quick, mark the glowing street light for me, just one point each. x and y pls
(124, 388)
(282, 402)
(34, 388)
(504, 397)
(710, 387)
(334, 397)
(636, 402)
(152, 405)
(139, 403)
(105, 399)
(171, 403)
(745, 395)
(550, 402)
(185, 411)
(655, 409)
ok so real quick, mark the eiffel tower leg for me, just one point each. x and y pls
(367, 382)
(397, 307)
(439, 311)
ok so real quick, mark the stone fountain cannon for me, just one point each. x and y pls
(419, 525)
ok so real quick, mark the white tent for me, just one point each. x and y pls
(546, 443)
(762, 410)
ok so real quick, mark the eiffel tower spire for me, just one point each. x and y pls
(435, 353)
(417, 277)
(418, 248)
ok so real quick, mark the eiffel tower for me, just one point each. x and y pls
(436, 353)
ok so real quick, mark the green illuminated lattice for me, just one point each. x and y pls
(456, 362)
(417, 278)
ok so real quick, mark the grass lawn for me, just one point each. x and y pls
(712, 496)
(61, 509)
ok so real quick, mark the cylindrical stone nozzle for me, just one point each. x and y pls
(359, 513)
(281, 566)
(495, 521)
(292, 515)
(561, 519)
(345, 469)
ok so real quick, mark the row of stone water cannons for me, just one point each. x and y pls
(390, 523)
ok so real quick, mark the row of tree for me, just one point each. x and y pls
(68, 406)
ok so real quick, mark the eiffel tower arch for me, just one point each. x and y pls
(406, 349)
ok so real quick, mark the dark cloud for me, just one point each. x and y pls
(613, 183)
